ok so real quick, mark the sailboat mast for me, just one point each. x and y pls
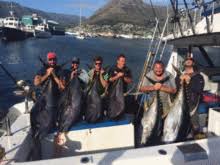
(80, 15)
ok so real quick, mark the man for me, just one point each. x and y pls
(51, 70)
(194, 87)
(120, 77)
(75, 71)
(164, 84)
(49, 79)
(98, 73)
(95, 92)
(120, 70)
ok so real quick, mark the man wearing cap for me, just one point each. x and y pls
(49, 80)
(76, 71)
(51, 70)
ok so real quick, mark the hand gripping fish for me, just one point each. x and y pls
(151, 123)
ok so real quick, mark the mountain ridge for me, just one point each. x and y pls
(63, 19)
(127, 11)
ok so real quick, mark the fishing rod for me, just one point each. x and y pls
(21, 83)
(8, 73)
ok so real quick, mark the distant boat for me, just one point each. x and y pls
(55, 28)
(41, 31)
(80, 34)
(1, 25)
(12, 28)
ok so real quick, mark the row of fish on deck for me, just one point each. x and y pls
(68, 96)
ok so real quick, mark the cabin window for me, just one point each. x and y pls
(10, 23)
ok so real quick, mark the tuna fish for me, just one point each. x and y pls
(42, 119)
(93, 111)
(151, 123)
(42, 115)
(70, 105)
(176, 124)
(116, 100)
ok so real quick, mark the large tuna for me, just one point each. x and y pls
(151, 123)
(176, 124)
(116, 100)
(70, 105)
(42, 115)
(93, 111)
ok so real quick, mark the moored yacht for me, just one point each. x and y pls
(12, 29)
(41, 31)
(1, 25)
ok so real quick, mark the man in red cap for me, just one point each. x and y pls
(49, 79)
(52, 70)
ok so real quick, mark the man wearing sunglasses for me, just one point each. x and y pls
(98, 73)
(75, 71)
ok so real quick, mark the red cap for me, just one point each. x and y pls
(51, 55)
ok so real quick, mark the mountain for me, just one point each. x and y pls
(127, 11)
(63, 19)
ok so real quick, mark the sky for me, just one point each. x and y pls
(64, 6)
(88, 7)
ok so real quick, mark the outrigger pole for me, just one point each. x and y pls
(175, 9)
(204, 5)
(190, 17)
(155, 15)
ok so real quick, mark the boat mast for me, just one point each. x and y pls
(11, 10)
(80, 15)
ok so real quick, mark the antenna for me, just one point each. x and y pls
(80, 21)
(11, 10)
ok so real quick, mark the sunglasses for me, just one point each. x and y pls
(98, 63)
